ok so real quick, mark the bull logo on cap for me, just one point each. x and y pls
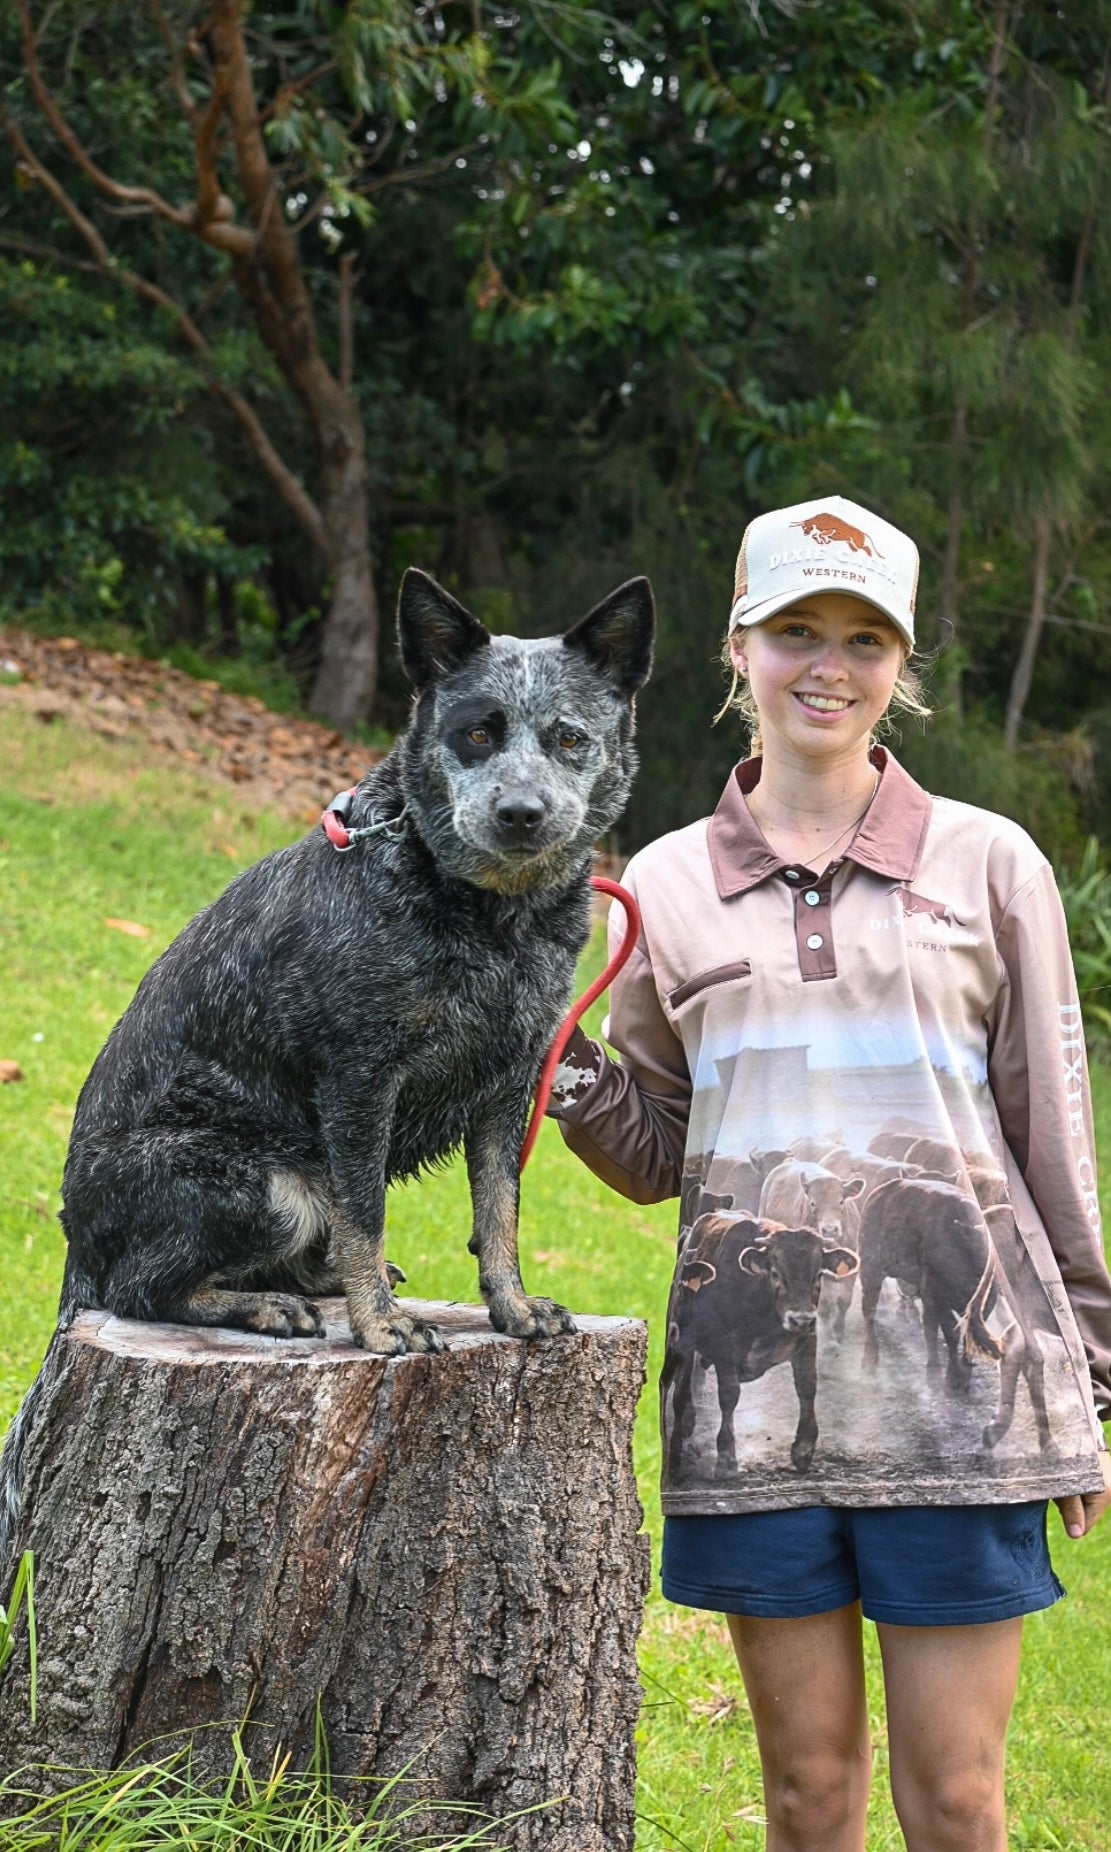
(826, 528)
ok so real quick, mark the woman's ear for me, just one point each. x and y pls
(737, 652)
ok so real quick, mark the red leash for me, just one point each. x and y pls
(580, 1007)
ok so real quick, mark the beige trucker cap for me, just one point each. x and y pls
(828, 545)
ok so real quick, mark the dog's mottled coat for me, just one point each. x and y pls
(337, 1020)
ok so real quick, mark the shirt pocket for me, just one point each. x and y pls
(740, 969)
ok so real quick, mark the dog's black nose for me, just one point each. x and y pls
(518, 817)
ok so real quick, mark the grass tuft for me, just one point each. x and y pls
(161, 1802)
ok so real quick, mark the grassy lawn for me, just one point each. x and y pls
(90, 831)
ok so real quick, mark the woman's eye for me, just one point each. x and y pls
(569, 739)
(479, 736)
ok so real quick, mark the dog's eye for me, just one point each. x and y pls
(479, 736)
(569, 739)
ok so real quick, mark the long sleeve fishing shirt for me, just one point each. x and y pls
(868, 1089)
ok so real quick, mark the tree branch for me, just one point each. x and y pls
(399, 176)
(255, 173)
(31, 247)
(177, 64)
(216, 231)
(291, 490)
(346, 319)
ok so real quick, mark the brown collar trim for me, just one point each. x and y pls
(890, 840)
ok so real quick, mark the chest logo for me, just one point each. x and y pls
(912, 905)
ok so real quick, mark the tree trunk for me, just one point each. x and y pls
(442, 1549)
(951, 662)
(343, 691)
(1024, 668)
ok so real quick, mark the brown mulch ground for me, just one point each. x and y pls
(276, 762)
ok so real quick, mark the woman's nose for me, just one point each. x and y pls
(829, 662)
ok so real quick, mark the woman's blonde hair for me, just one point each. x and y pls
(908, 695)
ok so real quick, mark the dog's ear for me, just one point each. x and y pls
(618, 635)
(435, 631)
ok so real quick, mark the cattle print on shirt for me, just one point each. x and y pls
(881, 1169)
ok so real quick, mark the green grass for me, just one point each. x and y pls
(162, 1803)
(89, 830)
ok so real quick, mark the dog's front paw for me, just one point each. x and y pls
(395, 1334)
(530, 1318)
(283, 1315)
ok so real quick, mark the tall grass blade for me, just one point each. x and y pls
(23, 1591)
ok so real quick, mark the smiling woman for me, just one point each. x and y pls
(843, 988)
(822, 674)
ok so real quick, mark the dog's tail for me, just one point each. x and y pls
(76, 1292)
(11, 1468)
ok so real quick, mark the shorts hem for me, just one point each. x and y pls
(758, 1607)
(965, 1613)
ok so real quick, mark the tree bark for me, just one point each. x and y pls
(348, 671)
(442, 1549)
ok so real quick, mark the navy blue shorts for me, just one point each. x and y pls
(911, 1566)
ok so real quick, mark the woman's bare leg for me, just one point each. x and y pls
(805, 1685)
(949, 1696)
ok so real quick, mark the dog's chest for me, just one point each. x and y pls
(482, 1005)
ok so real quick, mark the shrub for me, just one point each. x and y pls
(1086, 894)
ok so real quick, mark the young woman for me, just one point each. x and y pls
(850, 1043)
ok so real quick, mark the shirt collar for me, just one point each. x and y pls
(889, 841)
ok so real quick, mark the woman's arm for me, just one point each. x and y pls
(628, 1123)
(1039, 1079)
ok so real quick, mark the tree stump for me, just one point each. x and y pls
(441, 1550)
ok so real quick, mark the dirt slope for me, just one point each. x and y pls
(290, 765)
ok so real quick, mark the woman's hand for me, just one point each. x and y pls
(1083, 1509)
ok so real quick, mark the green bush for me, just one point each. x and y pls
(968, 760)
(1086, 894)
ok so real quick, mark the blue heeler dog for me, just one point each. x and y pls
(338, 1020)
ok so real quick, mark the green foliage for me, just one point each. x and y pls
(23, 1593)
(968, 760)
(624, 275)
(1086, 896)
(104, 527)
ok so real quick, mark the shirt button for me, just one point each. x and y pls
(812, 899)
(815, 942)
(792, 874)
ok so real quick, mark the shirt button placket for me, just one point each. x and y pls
(814, 928)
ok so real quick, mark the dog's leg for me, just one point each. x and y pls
(277, 1315)
(378, 1321)
(493, 1146)
(357, 1134)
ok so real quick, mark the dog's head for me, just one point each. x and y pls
(520, 754)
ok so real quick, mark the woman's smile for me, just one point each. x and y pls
(823, 704)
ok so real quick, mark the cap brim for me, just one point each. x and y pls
(770, 607)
